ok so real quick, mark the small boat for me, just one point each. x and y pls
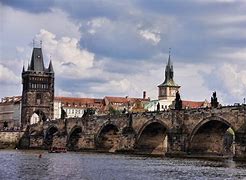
(57, 150)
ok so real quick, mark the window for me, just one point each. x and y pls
(39, 98)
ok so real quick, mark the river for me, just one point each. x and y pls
(16, 164)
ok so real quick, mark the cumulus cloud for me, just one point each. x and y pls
(7, 76)
(18, 28)
(131, 37)
(119, 86)
(119, 47)
(69, 60)
(229, 80)
(151, 36)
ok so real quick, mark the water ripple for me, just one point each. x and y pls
(27, 165)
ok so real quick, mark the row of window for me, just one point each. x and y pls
(39, 79)
(74, 111)
(39, 86)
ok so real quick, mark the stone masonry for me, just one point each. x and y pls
(170, 133)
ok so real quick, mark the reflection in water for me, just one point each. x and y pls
(28, 165)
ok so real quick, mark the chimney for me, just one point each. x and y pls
(144, 94)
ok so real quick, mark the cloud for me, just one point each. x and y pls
(151, 36)
(29, 5)
(7, 76)
(118, 47)
(236, 55)
(68, 59)
(229, 80)
(15, 21)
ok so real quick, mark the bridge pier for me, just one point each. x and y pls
(86, 142)
(240, 146)
(36, 142)
(177, 144)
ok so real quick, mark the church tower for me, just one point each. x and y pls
(168, 89)
(38, 90)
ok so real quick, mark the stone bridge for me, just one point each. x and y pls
(205, 131)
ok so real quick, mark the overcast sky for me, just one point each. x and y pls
(120, 48)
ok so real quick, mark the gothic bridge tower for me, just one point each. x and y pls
(38, 90)
(168, 89)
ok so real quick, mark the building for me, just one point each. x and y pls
(38, 102)
(125, 103)
(166, 90)
(167, 94)
(75, 107)
(10, 112)
(195, 104)
(10, 107)
(38, 90)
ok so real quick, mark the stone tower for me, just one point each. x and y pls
(38, 90)
(168, 89)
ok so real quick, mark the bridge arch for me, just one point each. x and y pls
(152, 138)
(49, 134)
(107, 137)
(73, 138)
(211, 136)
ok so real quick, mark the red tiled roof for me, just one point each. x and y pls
(72, 102)
(123, 99)
(79, 100)
(193, 104)
(117, 99)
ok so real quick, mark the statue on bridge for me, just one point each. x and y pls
(63, 113)
(214, 100)
(158, 107)
(178, 101)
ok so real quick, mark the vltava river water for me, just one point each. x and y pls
(27, 165)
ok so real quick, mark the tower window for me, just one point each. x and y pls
(39, 98)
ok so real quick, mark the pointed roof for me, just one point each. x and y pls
(169, 74)
(37, 63)
(50, 68)
(23, 69)
(169, 60)
(29, 67)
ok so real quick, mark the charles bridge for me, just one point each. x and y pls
(171, 133)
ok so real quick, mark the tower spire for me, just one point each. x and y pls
(169, 58)
(23, 69)
(168, 88)
(51, 67)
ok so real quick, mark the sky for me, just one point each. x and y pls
(120, 48)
